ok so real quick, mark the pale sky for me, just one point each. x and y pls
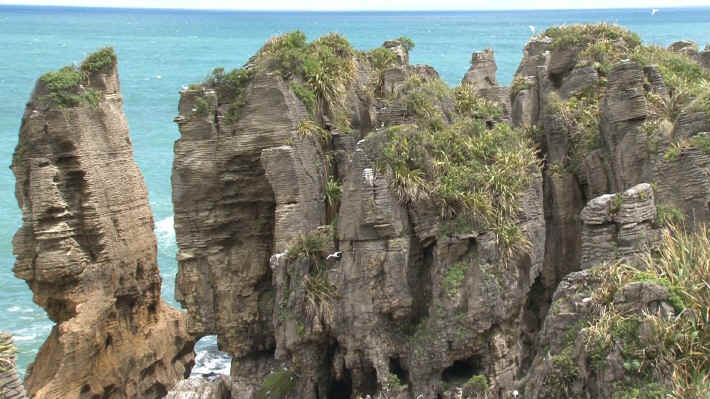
(368, 4)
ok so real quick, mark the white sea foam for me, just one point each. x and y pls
(209, 361)
(13, 309)
(21, 338)
(165, 231)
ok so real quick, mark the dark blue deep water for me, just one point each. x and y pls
(161, 50)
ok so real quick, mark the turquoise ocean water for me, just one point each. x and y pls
(161, 50)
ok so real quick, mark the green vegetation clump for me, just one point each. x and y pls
(322, 68)
(312, 246)
(65, 86)
(675, 349)
(382, 58)
(230, 86)
(333, 191)
(454, 277)
(476, 385)
(600, 45)
(306, 95)
(581, 116)
(202, 107)
(667, 215)
(98, 60)
(231, 91)
(320, 293)
(277, 385)
(519, 84)
(406, 42)
(468, 103)
(469, 170)
(65, 91)
(393, 383)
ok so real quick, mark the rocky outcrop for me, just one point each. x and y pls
(86, 247)
(482, 73)
(10, 383)
(481, 76)
(364, 294)
(199, 388)
(369, 231)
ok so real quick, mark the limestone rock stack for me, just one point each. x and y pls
(87, 248)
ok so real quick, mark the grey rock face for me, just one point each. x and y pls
(616, 226)
(482, 73)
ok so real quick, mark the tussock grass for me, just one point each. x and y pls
(471, 172)
(320, 294)
(674, 355)
(600, 45)
(323, 67)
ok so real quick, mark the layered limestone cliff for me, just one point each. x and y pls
(349, 226)
(388, 274)
(86, 247)
(323, 270)
(10, 383)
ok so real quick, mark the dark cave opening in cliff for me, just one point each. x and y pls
(462, 370)
(342, 388)
(396, 368)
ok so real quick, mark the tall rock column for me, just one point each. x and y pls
(87, 248)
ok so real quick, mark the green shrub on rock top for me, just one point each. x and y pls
(65, 88)
(98, 60)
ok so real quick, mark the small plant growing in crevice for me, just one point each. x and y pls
(202, 107)
(308, 128)
(476, 388)
(519, 84)
(454, 277)
(393, 383)
(277, 385)
(333, 191)
(320, 294)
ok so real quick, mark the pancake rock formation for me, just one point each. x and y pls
(10, 384)
(349, 226)
(86, 247)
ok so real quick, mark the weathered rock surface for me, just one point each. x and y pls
(318, 276)
(199, 388)
(244, 197)
(87, 250)
(482, 73)
(10, 384)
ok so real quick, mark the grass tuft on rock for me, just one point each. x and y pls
(324, 67)
(277, 385)
(671, 349)
(470, 171)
